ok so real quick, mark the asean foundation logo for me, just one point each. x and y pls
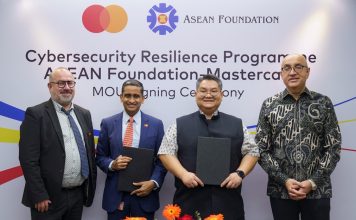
(97, 18)
(162, 19)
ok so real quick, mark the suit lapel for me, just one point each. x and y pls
(54, 119)
(115, 129)
(118, 128)
(144, 129)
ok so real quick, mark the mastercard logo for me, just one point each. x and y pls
(97, 18)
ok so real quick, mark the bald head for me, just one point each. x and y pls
(59, 71)
(299, 57)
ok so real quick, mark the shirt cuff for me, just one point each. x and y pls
(254, 154)
(110, 169)
(282, 179)
(312, 184)
(156, 184)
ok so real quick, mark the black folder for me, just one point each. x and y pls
(213, 159)
(139, 169)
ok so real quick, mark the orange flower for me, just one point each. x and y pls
(170, 212)
(135, 218)
(215, 217)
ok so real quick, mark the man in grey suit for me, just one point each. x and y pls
(57, 153)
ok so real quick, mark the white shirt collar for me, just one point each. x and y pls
(58, 107)
(136, 117)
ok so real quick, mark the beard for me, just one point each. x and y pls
(63, 99)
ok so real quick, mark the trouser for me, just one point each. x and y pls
(70, 208)
(306, 209)
(131, 208)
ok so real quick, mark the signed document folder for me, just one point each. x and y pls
(139, 169)
(213, 159)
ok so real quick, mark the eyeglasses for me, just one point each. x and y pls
(297, 68)
(62, 84)
(134, 96)
(204, 93)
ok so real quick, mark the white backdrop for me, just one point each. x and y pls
(323, 30)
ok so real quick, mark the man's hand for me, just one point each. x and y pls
(120, 162)
(232, 181)
(305, 186)
(43, 206)
(146, 188)
(294, 189)
(190, 180)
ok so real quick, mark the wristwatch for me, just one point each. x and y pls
(240, 173)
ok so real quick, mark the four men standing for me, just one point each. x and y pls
(298, 142)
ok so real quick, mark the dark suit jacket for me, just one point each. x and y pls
(109, 147)
(42, 154)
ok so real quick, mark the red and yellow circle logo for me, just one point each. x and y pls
(97, 18)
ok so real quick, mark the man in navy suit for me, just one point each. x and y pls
(148, 133)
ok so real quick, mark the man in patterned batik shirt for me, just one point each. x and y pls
(300, 141)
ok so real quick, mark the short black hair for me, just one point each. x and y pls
(132, 82)
(209, 77)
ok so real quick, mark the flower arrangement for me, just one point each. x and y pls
(172, 212)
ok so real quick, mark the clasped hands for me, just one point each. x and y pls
(145, 187)
(298, 190)
(190, 180)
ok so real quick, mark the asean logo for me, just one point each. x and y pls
(97, 18)
(162, 19)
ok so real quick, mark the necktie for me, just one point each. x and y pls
(80, 143)
(128, 134)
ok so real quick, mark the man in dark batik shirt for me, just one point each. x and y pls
(300, 141)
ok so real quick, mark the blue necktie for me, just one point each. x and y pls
(80, 143)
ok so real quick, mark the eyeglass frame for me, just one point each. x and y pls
(62, 84)
(203, 94)
(298, 68)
